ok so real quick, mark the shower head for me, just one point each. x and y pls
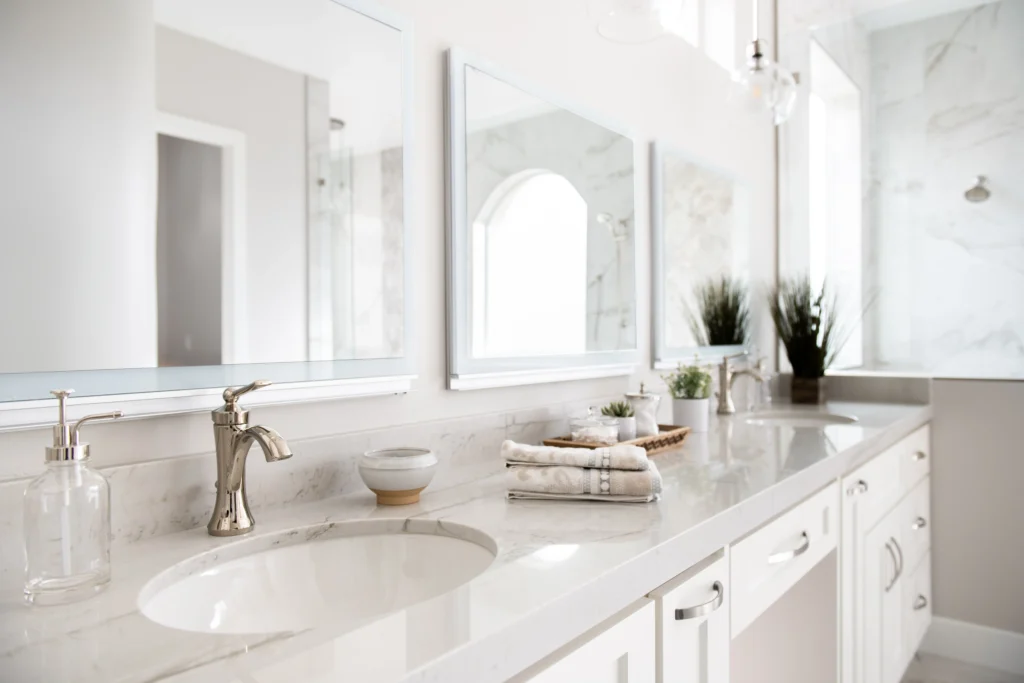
(978, 192)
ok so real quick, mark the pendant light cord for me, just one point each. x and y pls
(756, 13)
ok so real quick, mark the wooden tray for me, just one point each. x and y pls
(670, 436)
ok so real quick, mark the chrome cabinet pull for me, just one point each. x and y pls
(705, 608)
(860, 487)
(919, 523)
(895, 565)
(921, 602)
(919, 455)
(787, 555)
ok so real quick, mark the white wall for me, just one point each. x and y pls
(665, 89)
(77, 217)
(199, 80)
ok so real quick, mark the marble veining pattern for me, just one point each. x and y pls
(948, 104)
(705, 237)
(174, 494)
(717, 488)
(599, 164)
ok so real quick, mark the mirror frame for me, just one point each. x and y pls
(665, 357)
(465, 371)
(142, 392)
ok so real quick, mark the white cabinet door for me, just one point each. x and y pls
(623, 653)
(884, 652)
(868, 494)
(692, 624)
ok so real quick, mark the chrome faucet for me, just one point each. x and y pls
(727, 377)
(234, 437)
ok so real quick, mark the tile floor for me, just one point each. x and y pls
(928, 668)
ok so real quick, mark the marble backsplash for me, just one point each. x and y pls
(174, 494)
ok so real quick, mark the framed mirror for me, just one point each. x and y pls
(541, 235)
(701, 255)
(230, 202)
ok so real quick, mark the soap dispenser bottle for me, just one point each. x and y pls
(67, 520)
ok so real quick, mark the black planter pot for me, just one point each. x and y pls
(808, 390)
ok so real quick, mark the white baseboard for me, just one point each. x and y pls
(981, 645)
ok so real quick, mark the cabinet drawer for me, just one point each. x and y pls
(915, 458)
(769, 561)
(873, 489)
(692, 624)
(915, 514)
(917, 605)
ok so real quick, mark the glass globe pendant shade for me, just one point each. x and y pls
(633, 21)
(761, 85)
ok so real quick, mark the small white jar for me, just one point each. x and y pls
(691, 412)
(397, 475)
(645, 407)
(627, 428)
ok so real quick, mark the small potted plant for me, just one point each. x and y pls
(623, 413)
(690, 386)
(806, 322)
(723, 313)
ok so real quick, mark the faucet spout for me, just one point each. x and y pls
(273, 445)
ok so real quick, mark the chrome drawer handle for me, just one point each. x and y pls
(919, 524)
(860, 487)
(705, 608)
(920, 455)
(787, 555)
(921, 602)
(895, 564)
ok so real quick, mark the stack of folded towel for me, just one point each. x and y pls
(617, 473)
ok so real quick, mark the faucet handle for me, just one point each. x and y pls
(231, 396)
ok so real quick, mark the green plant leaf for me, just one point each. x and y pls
(722, 317)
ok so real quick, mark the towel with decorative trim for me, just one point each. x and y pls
(579, 483)
(609, 458)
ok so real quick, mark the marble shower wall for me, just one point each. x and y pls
(948, 104)
(705, 232)
(599, 164)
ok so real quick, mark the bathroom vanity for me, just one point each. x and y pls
(532, 590)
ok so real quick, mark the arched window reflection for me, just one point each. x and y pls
(529, 268)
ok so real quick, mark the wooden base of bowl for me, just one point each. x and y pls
(407, 497)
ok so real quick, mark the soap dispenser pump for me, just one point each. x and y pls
(67, 519)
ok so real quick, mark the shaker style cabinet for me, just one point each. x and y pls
(692, 624)
(885, 586)
(622, 653)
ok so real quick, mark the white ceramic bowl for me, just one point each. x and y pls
(397, 475)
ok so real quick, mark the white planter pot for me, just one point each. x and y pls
(692, 413)
(627, 428)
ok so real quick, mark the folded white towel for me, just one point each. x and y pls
(579, 483)
(609, 458)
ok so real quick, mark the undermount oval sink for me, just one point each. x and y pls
(798, 418)
(302, 578)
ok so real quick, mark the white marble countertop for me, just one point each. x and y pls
(561, 568)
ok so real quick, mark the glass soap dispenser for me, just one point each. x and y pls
(67, 520)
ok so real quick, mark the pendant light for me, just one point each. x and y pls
(761, 84)
(633, 21)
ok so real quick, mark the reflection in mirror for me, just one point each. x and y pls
(235, 194)
(543, 261)
(889, 134)
(701, 252)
